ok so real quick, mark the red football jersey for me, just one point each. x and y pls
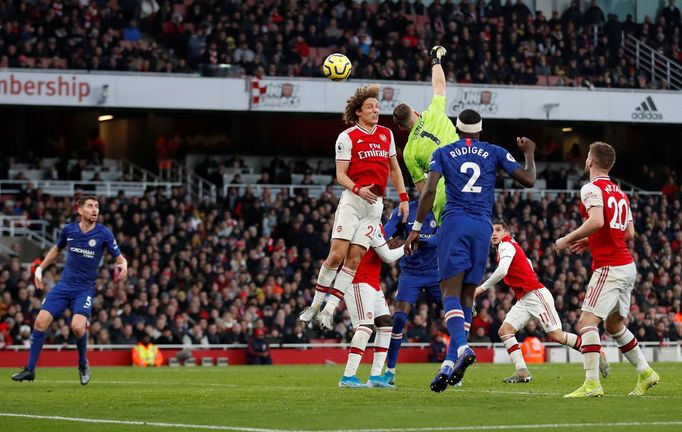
(521, 277)
(368, 153)
(607, 245)
(369, 270)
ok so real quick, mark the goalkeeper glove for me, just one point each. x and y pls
(436, 53)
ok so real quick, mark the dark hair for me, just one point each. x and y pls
(503, 223)
(603, 155)
(82, 200)
(469, 117)
(354, 103)
(402, 114)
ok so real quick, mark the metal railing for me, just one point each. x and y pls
(63, 188)
(20, 226)
(656, 64)
(136, 172)
(198, 187)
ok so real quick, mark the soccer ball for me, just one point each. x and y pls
(337, 67)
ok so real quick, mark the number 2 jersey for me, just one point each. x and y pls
(470, 169)
(607, 245)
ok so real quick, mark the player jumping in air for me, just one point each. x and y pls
(469, 167)
(368, 309)
(365, 159)
(428, 131)
(85, 242)
(417, 272)
(607, 225)
(533, 300)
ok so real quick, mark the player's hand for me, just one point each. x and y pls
(39, 278)
(580, 246)
(561, 245)
(404, 210)
(121, 272)
(478, 291)
(395, 243)
(366, 194)
(412, 243)
(526, 145)
(436, 53)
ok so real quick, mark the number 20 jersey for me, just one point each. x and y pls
(470, 169)
(607, 245)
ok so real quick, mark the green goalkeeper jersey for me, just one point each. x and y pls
(434, 129)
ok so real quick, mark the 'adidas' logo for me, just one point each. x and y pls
(647, 111)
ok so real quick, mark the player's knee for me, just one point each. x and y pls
(78, 329)
(506, 329)
(42, 322)
(383, 321)
(556, 336)
(399, 320)
(612, 326)
(334, 260)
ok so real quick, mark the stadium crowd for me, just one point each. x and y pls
(492, 42)
(214, 273)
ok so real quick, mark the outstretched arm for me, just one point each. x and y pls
(437, 73)
(526, 175)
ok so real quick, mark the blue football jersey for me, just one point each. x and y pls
(425, 259)
(470, 170)
(84, 253)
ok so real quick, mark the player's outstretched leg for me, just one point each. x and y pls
(357, 350)
(343, 281)
(591, 347)
(627, 343)
(574, 341)
(381, 342)
(324, 280)
(522, 375)
(459, 355)
(399, 321)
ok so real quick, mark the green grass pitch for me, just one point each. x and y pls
(267, 398)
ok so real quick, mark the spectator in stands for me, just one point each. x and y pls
(594, 15)
(671, 14)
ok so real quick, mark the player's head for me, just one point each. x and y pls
(363, 106)
(88, 208)
(601, 157)
(405, 117)
(469, 124)
(500, 230)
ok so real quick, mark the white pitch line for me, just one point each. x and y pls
(425, 429)
(183, 384)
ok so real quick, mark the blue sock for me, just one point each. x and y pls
(399, 321)
(82, 344)
(467, 319)
(454, 319)
(37, 340)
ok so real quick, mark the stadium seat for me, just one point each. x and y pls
(222, 361)
(207, 361)
(190, 362)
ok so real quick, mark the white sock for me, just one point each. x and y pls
(591, 347)
(381, 342)
(325, 279)
(343, 281)
(573, 341)
(391, 370)
(514, 350)
(627, 344)
(461, 349)
(357, 349)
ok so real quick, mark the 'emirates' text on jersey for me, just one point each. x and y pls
(84, 253)
(521, 277)
(368, 153)
(470, 169)
(607, 245)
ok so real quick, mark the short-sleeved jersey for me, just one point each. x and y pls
(369, 269)
(84, 254)
(425, 260)
(368, 153)
(433, 130)
(521, 277)
(470, 169)
(607, 245)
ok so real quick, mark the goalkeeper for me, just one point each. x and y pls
(428, 131)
